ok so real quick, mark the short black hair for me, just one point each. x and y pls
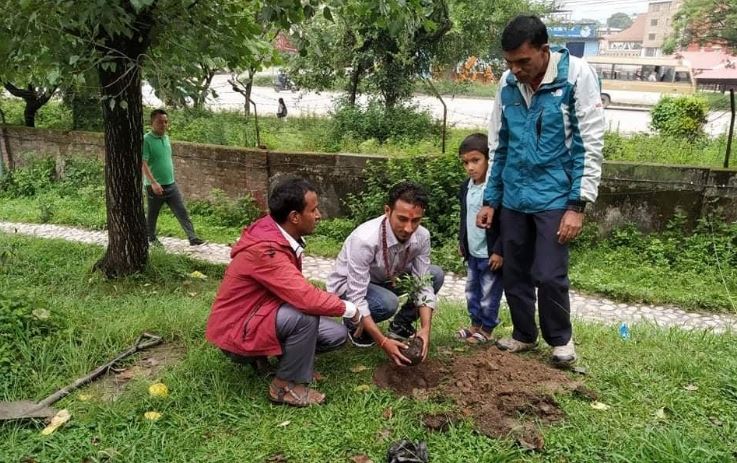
(287, 196)
(156, 112)
(524, 29)
(409, 192)
(475, 142)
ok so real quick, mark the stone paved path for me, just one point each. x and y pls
(584, 307)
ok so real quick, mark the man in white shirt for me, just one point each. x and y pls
(373, 257)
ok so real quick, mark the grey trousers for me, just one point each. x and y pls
(173, 198)
(301, 336)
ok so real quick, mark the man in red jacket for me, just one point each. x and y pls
(265, 306)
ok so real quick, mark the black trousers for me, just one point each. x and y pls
(533, 258)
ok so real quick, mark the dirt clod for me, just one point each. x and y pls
(414, 351)
(439, 421)
(504, 394)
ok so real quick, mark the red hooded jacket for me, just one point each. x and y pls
(264, 273)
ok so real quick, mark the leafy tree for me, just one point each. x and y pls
(619, 20)
(355, 41)
(706, 21)
(477, 27)
(117, 38)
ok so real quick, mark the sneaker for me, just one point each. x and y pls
(512, 345)
(400, 332)
(364, 340)
(564, 355)
(196, 242)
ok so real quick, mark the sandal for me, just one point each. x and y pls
(465, 333)
(286, 395)
(479, 337)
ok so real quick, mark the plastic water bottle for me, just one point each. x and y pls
(624, 331)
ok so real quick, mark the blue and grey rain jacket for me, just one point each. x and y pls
(547, 155)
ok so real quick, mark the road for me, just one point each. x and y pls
(462, 111)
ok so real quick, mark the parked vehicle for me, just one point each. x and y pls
(637, 74)
(283, 82)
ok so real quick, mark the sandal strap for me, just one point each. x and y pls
(464, 333)
(480, 337)
(282, 391)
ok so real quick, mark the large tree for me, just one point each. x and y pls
(619, 21)
(706, 21)
(116, 39)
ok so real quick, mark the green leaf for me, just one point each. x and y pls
(327, 14)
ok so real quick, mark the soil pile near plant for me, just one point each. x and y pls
(504, 394)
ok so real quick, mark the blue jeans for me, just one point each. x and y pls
(383, 301)
(484, 293)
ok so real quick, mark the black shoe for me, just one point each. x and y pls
(155, 243)
(196, 242)
(364, 340)
(400, 332)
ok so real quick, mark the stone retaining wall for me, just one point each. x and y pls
(646, 194)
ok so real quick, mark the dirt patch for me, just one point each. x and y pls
(409, 380)
(505, 394)
(148, 364)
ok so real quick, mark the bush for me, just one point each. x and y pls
(440, 175)
(376, 122)
(226, 212)
(27, 181)
(681, 117)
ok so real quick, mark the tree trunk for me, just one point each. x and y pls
(34, 99)
(122, 108)
(353, 84)
(249, 88)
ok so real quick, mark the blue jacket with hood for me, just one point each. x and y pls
(547, 154)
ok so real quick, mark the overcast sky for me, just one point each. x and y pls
(602, 9)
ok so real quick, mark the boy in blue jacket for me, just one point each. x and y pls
(481, 248)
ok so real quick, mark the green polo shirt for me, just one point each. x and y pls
(157, 153)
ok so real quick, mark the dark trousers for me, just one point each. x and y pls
(301, 337)
(533, 258)
(383, 301)
(173, 198)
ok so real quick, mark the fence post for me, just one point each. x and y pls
(731, 130)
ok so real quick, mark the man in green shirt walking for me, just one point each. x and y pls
(158, 177)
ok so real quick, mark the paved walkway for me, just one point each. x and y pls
(584, 307)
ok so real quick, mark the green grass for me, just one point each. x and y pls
(219, 412)
(644, 148)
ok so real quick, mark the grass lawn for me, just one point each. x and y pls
(218, 411)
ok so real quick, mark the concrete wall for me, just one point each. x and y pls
(646, 194)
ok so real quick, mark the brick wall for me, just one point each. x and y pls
(646, 194)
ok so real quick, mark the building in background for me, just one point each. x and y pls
(658, 26)
(581, 38)
(627, 42)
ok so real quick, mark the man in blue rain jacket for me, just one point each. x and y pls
(545, 147)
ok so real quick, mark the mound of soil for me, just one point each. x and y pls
(503, 393)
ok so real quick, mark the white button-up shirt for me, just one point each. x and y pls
(361, 261)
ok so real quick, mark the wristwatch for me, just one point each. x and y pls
(577, 206)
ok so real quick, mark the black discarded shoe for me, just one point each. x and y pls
(196, 242)
(400, 332)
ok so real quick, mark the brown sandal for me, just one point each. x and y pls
(286, 395)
